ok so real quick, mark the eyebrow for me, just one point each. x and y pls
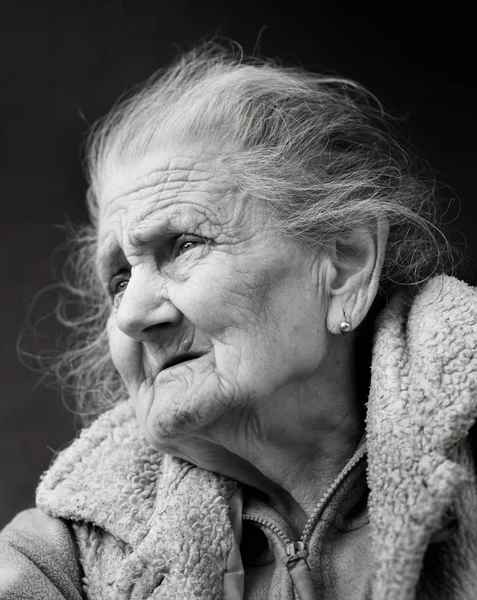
(175, 220)
(148, 230)
(143, 233)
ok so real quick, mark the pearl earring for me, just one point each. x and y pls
(345, 326)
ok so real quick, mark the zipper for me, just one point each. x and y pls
(297, 551)
(315, 516)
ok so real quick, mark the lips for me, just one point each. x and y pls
(179, 359)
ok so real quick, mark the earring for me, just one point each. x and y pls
(345, 326)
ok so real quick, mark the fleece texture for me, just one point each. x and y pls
(149, 526)
(422, 404)
(152, 526)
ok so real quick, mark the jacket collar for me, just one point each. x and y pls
(172, 516)
(111, 477)
(422, 403)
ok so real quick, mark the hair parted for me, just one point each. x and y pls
(319, 151)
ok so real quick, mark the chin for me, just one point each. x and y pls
(187, 400)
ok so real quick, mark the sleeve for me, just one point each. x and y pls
(39, 559)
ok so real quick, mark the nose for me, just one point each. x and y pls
(145, 310)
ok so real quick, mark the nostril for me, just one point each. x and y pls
(159, 327)
(155, 327)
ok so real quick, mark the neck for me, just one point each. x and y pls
(293, 445)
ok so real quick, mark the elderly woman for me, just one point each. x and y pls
(297, 372)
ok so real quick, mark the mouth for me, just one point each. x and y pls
(180, 359)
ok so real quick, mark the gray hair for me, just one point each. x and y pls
(319, 151)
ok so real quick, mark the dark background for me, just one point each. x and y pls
(63, 64)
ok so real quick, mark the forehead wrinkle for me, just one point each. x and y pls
(172, 172)
(142, 204)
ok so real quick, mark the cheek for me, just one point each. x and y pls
(296, 327)
(215, 302)
(125, 352)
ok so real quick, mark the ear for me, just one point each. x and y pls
(357, 258)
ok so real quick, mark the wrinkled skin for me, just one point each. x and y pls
(198, 272)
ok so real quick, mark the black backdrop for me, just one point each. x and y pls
(63, 64)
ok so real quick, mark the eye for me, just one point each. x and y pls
(187, 242)
(118, 285)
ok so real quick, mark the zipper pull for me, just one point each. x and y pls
(299, 570)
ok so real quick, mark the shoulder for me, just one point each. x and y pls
(38, 559)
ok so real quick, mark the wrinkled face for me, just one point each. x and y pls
(213, 310)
